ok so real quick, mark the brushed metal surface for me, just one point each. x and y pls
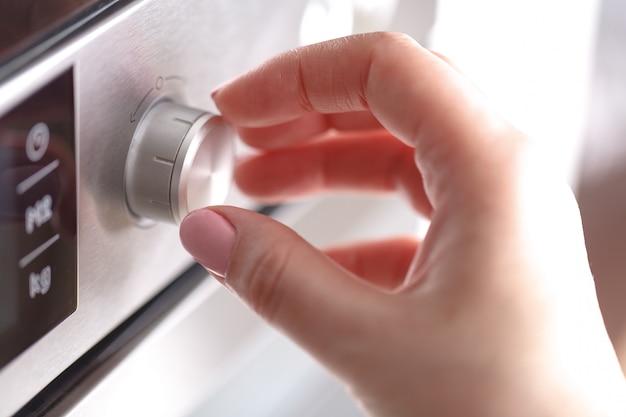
(146, 51)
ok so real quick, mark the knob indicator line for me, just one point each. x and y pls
(178, 155)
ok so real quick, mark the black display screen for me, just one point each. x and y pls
(29, 28)
(38, 243)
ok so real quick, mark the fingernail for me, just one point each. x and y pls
(219, 88)
(209, 238)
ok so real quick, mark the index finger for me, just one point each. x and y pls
(413, 93)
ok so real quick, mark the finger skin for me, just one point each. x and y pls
(502, 320)
(414, 94)
(306, 128)
(300, 290)
(383, 263)
(368, 162)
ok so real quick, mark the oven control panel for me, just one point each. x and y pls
(38, 244)
(128, 138)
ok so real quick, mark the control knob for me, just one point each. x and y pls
(180, 159)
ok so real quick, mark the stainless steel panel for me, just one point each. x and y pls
(151, 48)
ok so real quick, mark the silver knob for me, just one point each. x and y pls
(180, 159)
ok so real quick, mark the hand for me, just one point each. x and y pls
(492, 314)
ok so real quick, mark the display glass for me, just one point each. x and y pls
(38, 243)
(30, 27)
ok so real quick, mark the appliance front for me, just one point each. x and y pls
(92, 281)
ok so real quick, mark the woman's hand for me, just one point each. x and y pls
(492, 314)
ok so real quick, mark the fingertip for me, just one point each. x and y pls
(209, 238)
(221, 87)
(226, 97)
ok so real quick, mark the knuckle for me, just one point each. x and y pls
(265, 287)
(395, 39)
(304, 99)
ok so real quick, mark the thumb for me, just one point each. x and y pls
(285, 280)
